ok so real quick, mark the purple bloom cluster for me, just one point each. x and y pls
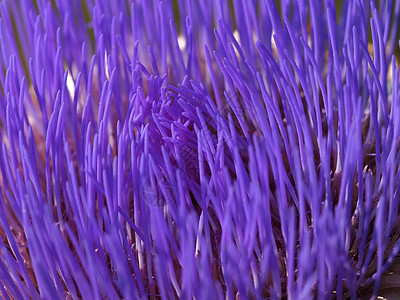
(198, 149)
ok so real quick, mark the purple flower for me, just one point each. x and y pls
(198, 149)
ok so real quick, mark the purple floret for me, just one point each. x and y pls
(198, 149)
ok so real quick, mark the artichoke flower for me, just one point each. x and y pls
(199, 149)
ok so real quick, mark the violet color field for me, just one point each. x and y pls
(199, 149)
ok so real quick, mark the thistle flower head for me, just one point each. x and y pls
(198, 149)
